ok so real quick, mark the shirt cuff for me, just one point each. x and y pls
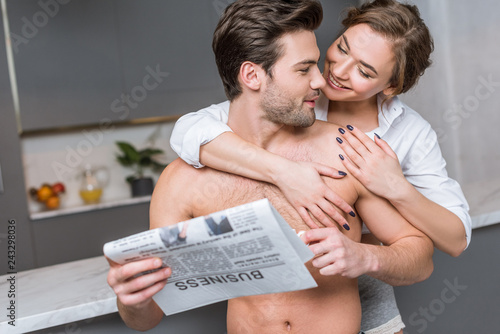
(190, 150)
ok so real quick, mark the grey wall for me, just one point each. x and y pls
(462, 295)
(86, 55)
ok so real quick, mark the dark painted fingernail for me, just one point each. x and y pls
(339, 140)
(352, 214)
(346, 227)
(342, 131)
(377, 135)
(341, 157)
(350, 127)
(342, 173)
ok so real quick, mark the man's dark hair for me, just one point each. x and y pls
(249, 30)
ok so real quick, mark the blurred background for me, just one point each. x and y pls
(78, 76)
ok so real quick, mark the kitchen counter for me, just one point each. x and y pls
(89, 207)
(56, 295)
(73, 291)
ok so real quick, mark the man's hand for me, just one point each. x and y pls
(303, 187)
(336, 254)
(137, 291)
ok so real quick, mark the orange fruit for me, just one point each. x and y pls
(52, 202)
(44, 193)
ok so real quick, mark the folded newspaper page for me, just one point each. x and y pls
(246, 250)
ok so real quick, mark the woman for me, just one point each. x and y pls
(383, 50)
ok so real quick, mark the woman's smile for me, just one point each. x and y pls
(334, 83)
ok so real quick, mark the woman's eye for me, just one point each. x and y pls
(341, 49)
(364, 74)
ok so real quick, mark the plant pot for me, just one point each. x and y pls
(142, 187)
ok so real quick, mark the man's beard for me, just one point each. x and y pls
(281, 109)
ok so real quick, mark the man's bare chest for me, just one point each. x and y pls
(230, 191)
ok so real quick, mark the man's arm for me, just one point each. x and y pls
(169, 205)
(405, 258)
(405, 262)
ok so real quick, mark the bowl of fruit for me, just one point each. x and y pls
(48, 195)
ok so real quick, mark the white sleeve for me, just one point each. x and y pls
(426, 171)
(198, 128)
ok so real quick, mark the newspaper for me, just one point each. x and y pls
(242, 251)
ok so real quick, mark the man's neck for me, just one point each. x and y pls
(248, 121)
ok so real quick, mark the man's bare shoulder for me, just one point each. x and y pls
(184, 192)
(179, 175)
(325, 128)
(173, 193)
(320, 140)
(320, 131)
(179, 168)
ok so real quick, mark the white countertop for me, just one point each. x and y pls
(58, 294)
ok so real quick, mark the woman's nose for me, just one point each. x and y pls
(340, 69)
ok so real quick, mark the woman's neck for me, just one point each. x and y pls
(361, 114)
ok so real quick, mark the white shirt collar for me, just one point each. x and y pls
(321, 109)
(387, 113)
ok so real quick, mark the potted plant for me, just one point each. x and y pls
(139, 160)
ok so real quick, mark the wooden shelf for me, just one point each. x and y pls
(89, 207)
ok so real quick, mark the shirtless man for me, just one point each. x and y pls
(272, 83)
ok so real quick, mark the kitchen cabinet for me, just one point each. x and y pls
(88, 62)
(67, 61)
(174, 40)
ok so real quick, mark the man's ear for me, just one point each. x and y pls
(251, 75)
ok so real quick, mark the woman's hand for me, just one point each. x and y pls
(303, 187)
(374, 164)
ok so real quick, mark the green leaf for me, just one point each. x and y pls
(124, 161)
(129, 151)
(145, 161)
(150, 151)
(138, 160)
